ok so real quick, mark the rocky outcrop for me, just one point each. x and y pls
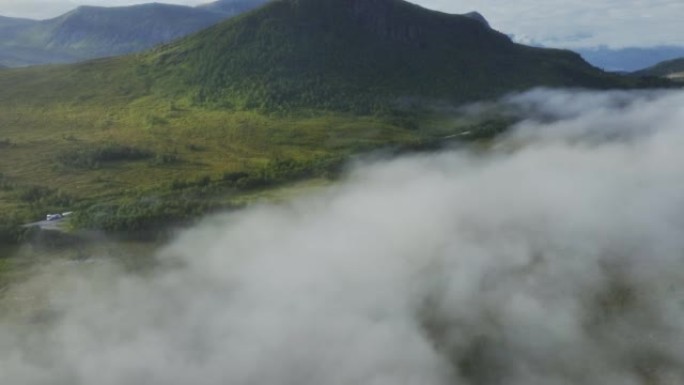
(477, 16)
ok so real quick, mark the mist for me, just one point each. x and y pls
(554, 257)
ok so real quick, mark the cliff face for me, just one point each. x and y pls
(478, 16)
(380, 16)
(411, 24)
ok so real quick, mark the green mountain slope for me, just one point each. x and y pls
(671, 68)
(341, 54)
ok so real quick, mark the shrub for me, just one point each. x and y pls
(93, 158)
(168, 158)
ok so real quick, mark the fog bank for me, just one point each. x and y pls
(555, 258)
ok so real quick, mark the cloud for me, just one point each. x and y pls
(555, 257)
(574, 24)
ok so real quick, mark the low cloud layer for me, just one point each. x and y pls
(576, 23)
(554, 258)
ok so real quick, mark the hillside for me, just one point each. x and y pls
(92, 32)
(98, 31)
(270, 96)
(341, 55)
(337, 54)
(670, 69)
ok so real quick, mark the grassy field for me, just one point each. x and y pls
(61, 156)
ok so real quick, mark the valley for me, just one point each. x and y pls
(334, 192)
(270, 97)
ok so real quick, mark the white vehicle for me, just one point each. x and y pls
(53, 217)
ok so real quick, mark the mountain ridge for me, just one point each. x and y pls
(669, 68)
(89, 32)
(292, 51)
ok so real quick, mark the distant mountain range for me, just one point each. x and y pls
(91, 32)
(673, 69)
(629, 59)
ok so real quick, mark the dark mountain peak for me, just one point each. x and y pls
(360, 55)
(399, 20)
(81, 9)
(477, 16)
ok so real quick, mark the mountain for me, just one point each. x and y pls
(477, 16)
(100, 31)
(233, 7)
(357, 55)
(311, 53)
(91, 32)
(673, 69)
(13, 22)
(629, 59)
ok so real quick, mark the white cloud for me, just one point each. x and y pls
(554, 258)
(577, 23)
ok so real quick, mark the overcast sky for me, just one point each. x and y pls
(561, 23)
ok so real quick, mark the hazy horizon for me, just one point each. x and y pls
(565, 24)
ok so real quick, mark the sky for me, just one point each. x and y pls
(557, 23)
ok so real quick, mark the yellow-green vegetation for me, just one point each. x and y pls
(61, 150)
(102, 153)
